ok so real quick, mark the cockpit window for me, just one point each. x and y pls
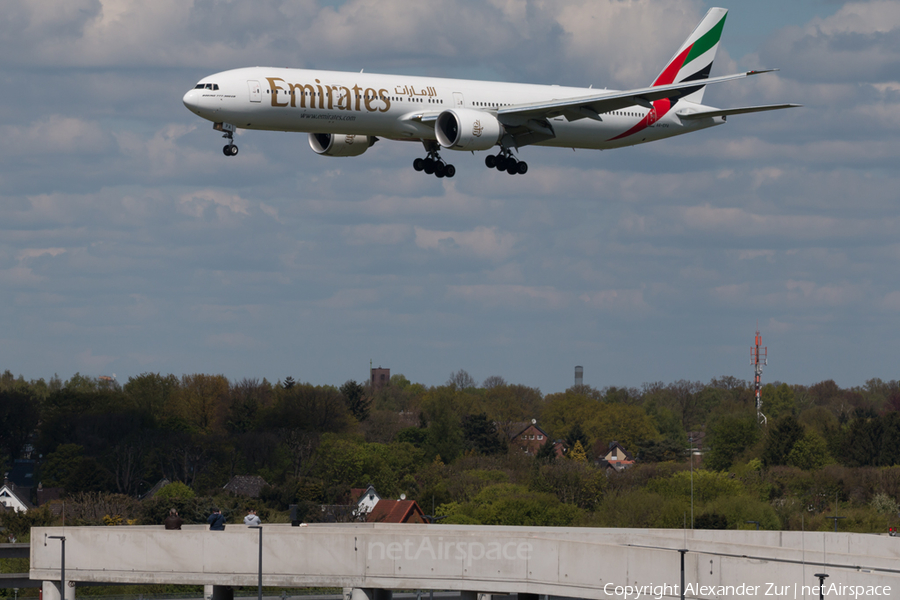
(206, 86)
(199, 86)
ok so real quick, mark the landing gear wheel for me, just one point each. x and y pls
(234, 150)
(500, 163)
(449, 170)
(490, 161)
(419, 164)
(512, 167)
(429, 166)
(440, 170)
(523, 167)
(226, 150)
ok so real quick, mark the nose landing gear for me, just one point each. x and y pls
(230, 149)
(505, 161)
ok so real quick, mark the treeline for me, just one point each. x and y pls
(451, 447)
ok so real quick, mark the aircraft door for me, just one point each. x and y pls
(458, 101)
(255, 92)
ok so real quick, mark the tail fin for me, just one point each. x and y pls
(693, 61)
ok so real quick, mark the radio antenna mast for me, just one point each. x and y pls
(759, 357)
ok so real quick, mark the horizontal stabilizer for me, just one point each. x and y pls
(708, 114)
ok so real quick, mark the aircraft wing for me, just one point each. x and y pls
(592, 107)
(706, 114)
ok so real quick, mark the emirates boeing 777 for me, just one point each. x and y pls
(346, 113)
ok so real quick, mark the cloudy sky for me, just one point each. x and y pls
(130, 244)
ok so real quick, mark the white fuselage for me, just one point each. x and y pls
(392, 106)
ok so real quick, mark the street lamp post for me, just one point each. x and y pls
(821, 577)
(835, 519)
(691, 439)
(62, 563)
(259, 527)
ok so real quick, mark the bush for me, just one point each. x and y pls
(642, 508)
(707, 485)
(173, 490)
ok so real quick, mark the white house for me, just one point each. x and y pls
(365, 500)
(14, 498)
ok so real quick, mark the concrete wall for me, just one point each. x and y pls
(573, 562)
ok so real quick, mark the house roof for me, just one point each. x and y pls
(396, 511)
(357, 495)
(12, 495)
(159, 485)
(246, 485)
(625, 456)
(530, 426)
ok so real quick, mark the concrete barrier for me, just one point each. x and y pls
(569, 562)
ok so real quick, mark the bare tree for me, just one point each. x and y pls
(493, 381)
(461, 380)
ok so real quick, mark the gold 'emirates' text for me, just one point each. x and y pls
(327, 96)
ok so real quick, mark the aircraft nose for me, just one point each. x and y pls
(191, 101)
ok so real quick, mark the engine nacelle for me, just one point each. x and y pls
(467, 129)
(334, 144)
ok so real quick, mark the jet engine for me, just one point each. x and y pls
(331, 144)
(467, 129)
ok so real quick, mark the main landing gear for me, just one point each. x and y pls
(433, 164)
(505, 161)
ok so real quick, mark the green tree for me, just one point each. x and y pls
(247, 402)
(577, 453)
(809, 452)
(357, 402)
(480, 435)
(780, 441)
(444, 436)
(149, 393)
(19, 417)
(173, 490)
(201, 402)
(777, 401)
(576, 437)
(729, 437)
(511, 504)
(547, 452)
(309, 408)
(573, 482)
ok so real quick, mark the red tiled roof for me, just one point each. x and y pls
(396, 511)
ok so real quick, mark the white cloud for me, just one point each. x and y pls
(511, 296)
(38, 252)
(631, 301)
(196, 203)
(483, 242)
(389, 234)
(54, 134)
